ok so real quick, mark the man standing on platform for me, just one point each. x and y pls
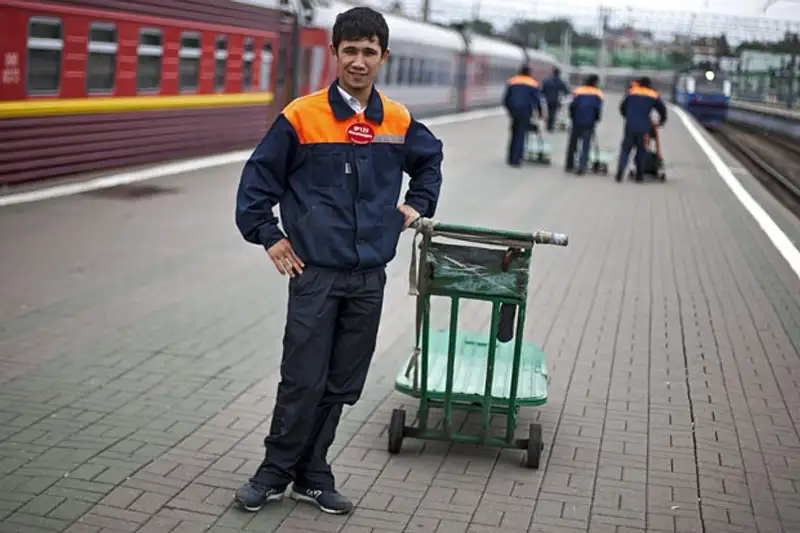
(636, 108)
(552, 89)
(520, 99)
(334, 161)
(585, 112)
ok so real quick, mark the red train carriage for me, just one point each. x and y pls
(85, 89)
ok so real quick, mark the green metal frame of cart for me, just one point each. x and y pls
(452, 369)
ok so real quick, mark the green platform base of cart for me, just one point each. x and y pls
(469, 391)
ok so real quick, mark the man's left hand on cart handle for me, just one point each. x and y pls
(410, 213)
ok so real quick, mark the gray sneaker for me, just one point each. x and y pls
(254, 494)
(327, 501)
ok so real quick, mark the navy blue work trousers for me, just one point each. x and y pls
(520, 125)
(631, 140)
(582, 135)
(552, 114)
(330, 335)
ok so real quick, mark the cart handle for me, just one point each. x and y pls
(456, 231)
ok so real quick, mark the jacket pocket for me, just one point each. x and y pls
(328, 167)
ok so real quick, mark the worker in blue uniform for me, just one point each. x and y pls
(636, 107)
(585, 111)
(334, 161)
(521, 98)
(552, 89)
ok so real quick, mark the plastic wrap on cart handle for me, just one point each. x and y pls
(455, 231)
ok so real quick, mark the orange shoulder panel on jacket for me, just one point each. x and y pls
(644, 91)
(587, 90)
(314, 122)
(522, 80)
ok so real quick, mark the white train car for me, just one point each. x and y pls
(422, 69)
(429, 69)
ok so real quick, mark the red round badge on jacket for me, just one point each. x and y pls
(360, 133)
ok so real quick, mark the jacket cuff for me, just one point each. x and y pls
(419, 206)
(269, 234)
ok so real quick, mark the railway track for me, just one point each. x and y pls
(772, 158)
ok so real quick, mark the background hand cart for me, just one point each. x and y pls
(562, 121)
(539, 151)
(600, 160)
(654, 161)
(452, 369)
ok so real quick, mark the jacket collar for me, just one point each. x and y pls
(342, 111)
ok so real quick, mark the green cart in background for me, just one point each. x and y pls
(536, 149)
(452, 369)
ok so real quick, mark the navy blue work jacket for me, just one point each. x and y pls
(337, 176)
(637, 106)
(586, 108)
(522, 96)
(552, 88)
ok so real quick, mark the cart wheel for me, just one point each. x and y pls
(535, 446)
(397, 427)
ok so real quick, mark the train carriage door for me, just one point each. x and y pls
(13, 53)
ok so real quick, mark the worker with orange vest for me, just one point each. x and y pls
(334, 161)
(522, 97)
(636, 108)
(585, 112)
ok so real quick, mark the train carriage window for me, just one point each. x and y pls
(247, 64)
(45, 46)
(305, 67)
(280, 74)
(266, 66)
(189, 62)
(401, 70)
(148, 67)
(220, 62)
(101, 58)
(387, 70)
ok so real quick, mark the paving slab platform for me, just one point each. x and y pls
(139, 342)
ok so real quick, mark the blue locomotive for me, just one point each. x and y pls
(704, 93)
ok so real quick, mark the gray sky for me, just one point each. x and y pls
(663, 16)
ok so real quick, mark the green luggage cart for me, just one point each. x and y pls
(461, 370)
(600, 161)
(538, 150)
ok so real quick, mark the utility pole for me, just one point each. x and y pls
(426, 10)
(296, 49)
(603, 15)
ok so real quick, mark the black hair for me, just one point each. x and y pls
(556, 71)
(592, 80)
(644, 82)
(361, 23)
(524, 70)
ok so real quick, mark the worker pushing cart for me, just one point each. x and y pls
(636, 107)
(521, 99)
(461, 370)
(553, 88)
(585, 113)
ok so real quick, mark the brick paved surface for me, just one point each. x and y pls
(139, 344)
